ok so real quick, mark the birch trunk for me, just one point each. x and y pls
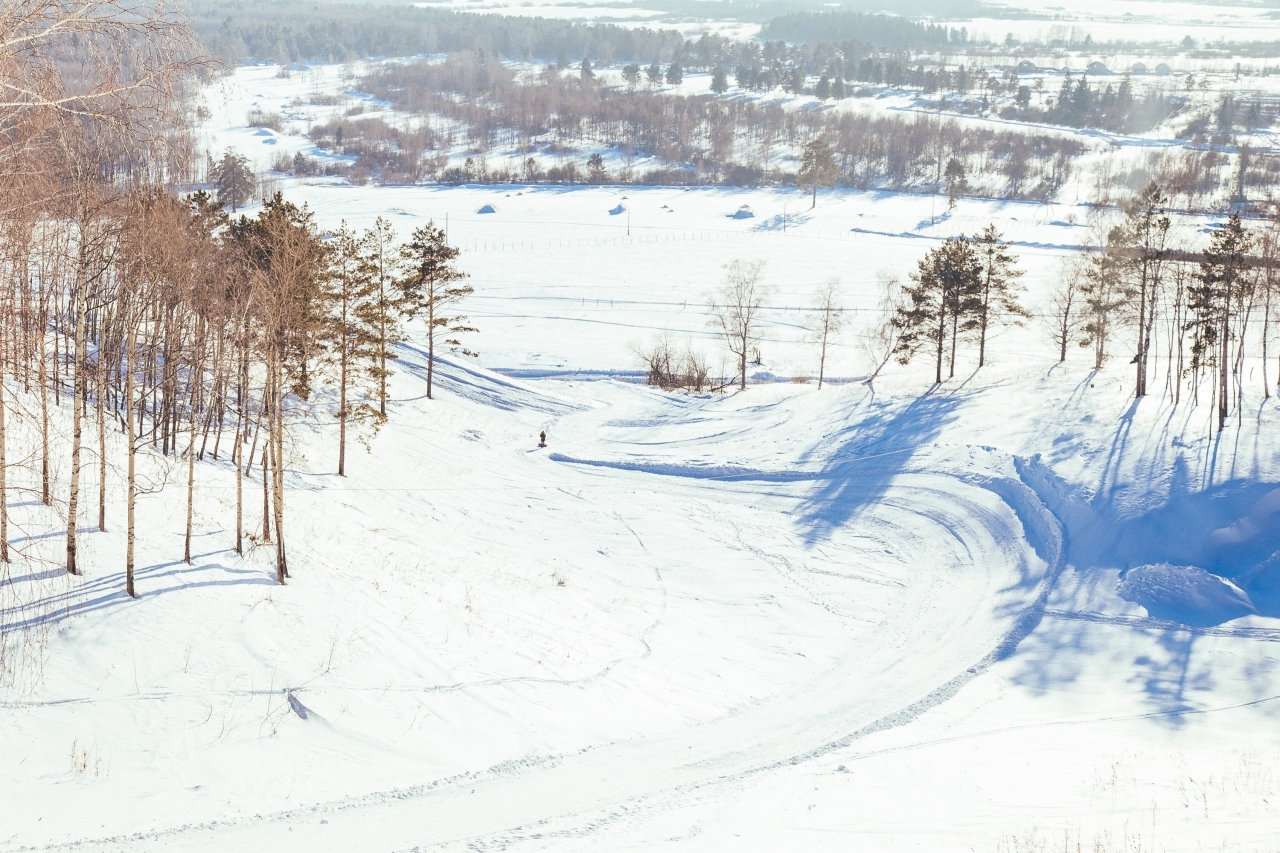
(132, 450)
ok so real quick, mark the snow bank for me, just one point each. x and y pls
(1185, 594)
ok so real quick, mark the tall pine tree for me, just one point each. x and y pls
(940, 302)
(998, 288)
(430, 286)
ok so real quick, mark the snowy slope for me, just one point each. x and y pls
(757, 590)
(880, 618)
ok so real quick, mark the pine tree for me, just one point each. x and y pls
(1102, 297)
(675, 74)
(719, 81)
(233, 179)
(957, 182)
(380, 311)
(1144, 236)
(940, 301)
(997, 298)
(1222, 289)
(430, 286)
(351, 338)
(817, 168)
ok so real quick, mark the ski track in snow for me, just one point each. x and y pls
(985, 591)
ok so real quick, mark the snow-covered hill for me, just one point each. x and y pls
(1017, 612)
(778, 618)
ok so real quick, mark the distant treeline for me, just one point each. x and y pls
(294, 31)
(887, 31)
(672, 139)
(291, 31)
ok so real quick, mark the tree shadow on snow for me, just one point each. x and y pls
(868, 454)
(106, 591)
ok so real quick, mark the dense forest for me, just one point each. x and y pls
(886, 31)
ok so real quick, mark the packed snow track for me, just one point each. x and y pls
(883, 583)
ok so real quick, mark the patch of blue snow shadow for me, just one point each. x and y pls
(1186, 594)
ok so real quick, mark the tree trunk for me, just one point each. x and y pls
(822, 355)
(132, 450)
(342, 403)
(237, 455)
(1140, 381)
(191, 481)
(102, 445)
(266, 506)
(42, 380)
(1266, 324)
(77, 416)
(1223, 370)
(942, 337)
(277, 474)
(4, 462)
(382, 342)
(955, 325)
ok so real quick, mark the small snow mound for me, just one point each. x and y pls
(1185, 594)
(1163, 69)
(1097, 69)
(619, 209)
(743, 212)
(488, 208)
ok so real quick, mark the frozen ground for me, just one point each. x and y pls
(855, 618)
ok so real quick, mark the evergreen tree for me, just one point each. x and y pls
(654, 73)
(837, 88)
(957, 182)
(817, 168)
(596, 173)
(1144, 235)
(719, 81)
(675, 74)
(1222, 290)
(233, 179)
(380, 311)
(940, 301)
(352, 335)
(1102, 296)
(998, 289)
(588, 76)
(822, 90)
(631, 74)
(430, 286)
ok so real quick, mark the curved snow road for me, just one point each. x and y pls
(981, 554)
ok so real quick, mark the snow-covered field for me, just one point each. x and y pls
(856, 618)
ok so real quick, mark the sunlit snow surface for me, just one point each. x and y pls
(861, 618)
